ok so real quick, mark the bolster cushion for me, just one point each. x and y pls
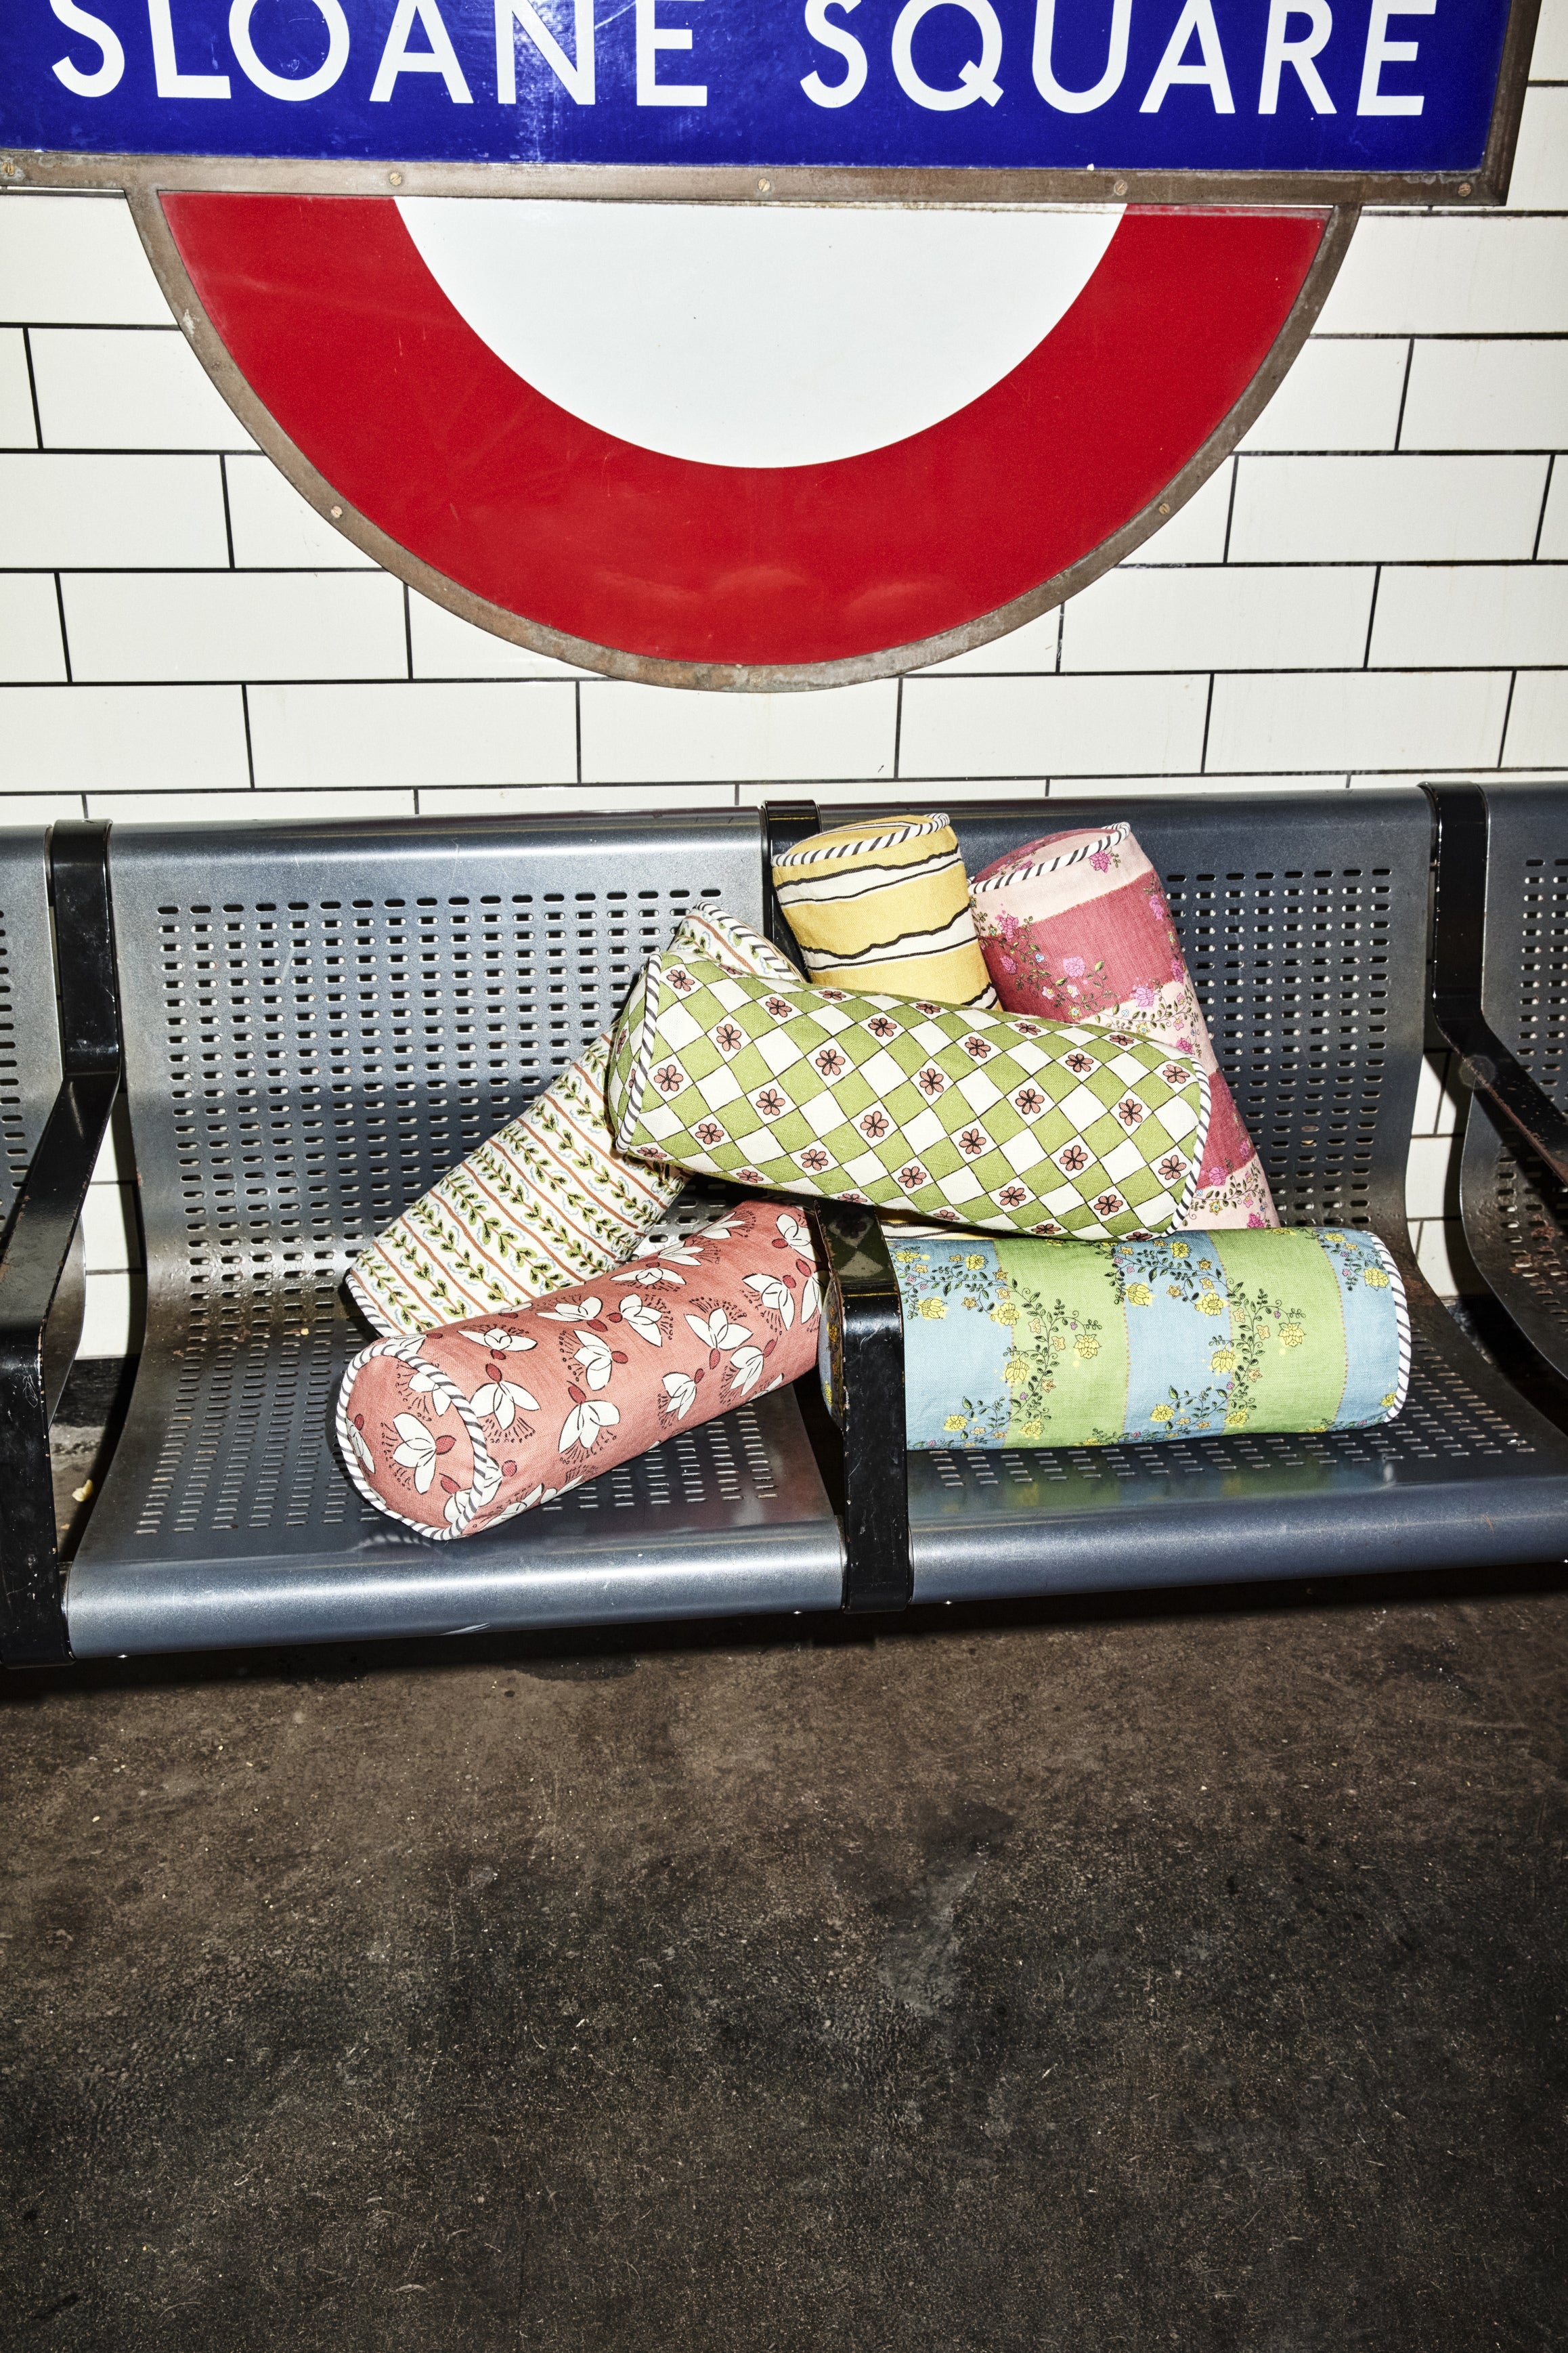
(1076, 927)
(1056, 1343)
(456, 1429)
(965, 1116)
(886, 907)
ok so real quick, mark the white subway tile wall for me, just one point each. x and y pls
(273, 528)
(1373, 589)
(99, 388)
(18, 425)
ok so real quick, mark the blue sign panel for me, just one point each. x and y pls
(1198, 86)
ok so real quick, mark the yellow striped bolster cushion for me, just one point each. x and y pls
(885, 908)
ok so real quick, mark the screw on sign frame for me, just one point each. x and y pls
(299, 284)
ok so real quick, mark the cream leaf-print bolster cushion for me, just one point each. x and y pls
(453, 1430)
(548, 1201)
(973, 1118)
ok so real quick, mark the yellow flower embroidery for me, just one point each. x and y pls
(1222, 1360)
(974, 1258)
(1058, 1343)
(1290, 1335)
(1179, 1249)
(953, 1421)
(1087, 1347)
(1006, 1313)
(935, 1310)
(1211, 1303)
(1016, 1372)
(1237, 1420)
(1376, 1278)
(1139, 1294)
(1028, 1429)
(1164, 1413)
(1390, 1401)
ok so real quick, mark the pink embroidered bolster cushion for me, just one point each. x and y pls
(456, 1429)
(1075, 926)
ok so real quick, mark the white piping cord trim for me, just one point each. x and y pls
(862, 845)
(469, 1500)
(1402, 1321)
(642, 1060)
(751, 954)
(1113, 838)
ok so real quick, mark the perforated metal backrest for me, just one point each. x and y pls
(322, 1020)
(30, 1024)
(1524, 986)
(1303, 918)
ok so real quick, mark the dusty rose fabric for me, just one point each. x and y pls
(455, 1430)
(1075, 926)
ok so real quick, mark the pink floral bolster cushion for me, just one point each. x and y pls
(456, 1429)
(1075, 926)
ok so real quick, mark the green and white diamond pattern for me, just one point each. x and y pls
(976, 1119)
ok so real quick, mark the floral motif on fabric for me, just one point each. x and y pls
(1078, 928)
(458, 1429)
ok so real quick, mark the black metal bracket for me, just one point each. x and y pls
(784, 824)
(1517, 1106)
(867, 1317)
(40, 1236)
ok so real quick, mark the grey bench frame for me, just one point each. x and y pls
(317, 1020)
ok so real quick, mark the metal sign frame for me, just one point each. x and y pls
(145, 179)
(1487, 185)
(732, 676)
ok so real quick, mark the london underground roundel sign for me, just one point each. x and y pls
(742, 343)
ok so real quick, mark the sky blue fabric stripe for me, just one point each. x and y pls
(1169, 1345)
(1372, 1331)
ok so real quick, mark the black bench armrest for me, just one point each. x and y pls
(1517, 1106)
(38, 1238)
(865, 1313)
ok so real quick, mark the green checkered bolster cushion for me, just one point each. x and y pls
(547, 1201)
(977, 1119)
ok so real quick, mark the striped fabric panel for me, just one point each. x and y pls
(886, 910)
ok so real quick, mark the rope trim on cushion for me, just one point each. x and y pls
(468, 1501)
(1401, 1318)
(862, 845)
(996, 877)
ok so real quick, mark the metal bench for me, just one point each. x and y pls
(1499, 996)
(319, 1019)
(1304, 920)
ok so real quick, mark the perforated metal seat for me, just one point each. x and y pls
(1303, 917)
(320, 1020)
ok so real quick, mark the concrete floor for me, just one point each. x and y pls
(1179, 1973)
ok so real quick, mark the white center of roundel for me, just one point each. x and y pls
(738, 336)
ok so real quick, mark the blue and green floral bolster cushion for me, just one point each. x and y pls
(977, 1119)
(1032, 1342)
